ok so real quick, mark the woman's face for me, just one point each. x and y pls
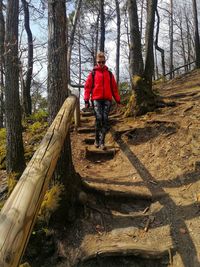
(101, 62)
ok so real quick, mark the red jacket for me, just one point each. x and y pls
(102, 86)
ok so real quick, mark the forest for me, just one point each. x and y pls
(51, 193)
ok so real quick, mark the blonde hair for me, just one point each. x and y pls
(100, 55)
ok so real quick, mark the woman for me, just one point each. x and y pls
(100, 87)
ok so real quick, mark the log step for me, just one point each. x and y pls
(128, 241)
(123, 191)
(87, 114)
(98, 154)
(86, 130)
(89, 141)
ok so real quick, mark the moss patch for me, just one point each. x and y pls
(50, 202)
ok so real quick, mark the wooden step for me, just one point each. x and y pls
(87, 114)
(86, 129)
(109, 189)
(89, 141)
(96, 153)
(129, 241)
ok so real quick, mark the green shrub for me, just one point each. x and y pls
(41, 115)
(35, 127)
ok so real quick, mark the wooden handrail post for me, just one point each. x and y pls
(20, 211)
(77, 120)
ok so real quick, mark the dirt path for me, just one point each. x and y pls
(144, 192)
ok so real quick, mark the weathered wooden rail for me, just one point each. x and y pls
(20, 211)
(180, 67)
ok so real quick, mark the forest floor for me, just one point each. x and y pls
(143, 191)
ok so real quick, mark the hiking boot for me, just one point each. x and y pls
(97, 139)
(96, 144)
(102, 146)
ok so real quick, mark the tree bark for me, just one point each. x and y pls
(188, 40)
(57, 92)
(141, 17)
(161, 50)
(149, 37)
(71, 38)
(15, 152)
(96, 40)
(183, 45)
(27, 103)
(102, 31)
(78, 119)
(118, 40)
(143, 98)
(2, 64)
(196, 35)
(136, 61)
(171, 38)
(57, 56)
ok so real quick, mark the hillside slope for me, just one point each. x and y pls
(148, 190)
(142, 202)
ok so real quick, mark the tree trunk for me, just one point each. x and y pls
(188, 41)
(143, 99)
(1, 100)
(126, 25)
(57, 92)
(183, 46)
(102, 31)
(149, 37)
(27, 104)
(136, 61)
(71, 38)
(15, 151)
(118, 40)
(78, 120)
(2, 63)
(196, 36)
(157, 46)
(156, 72)
(141, 17)
(96, 41)
(171, 38)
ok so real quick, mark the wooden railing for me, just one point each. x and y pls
(180, 67)
(20, 211)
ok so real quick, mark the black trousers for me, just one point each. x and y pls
(101, 110)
